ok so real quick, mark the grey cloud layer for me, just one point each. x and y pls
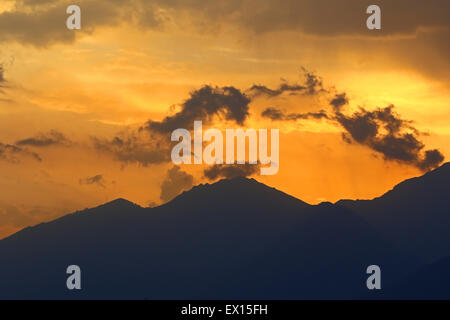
(346, 17)
(45, 25)
(42, 22)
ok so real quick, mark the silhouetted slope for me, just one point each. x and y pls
(431, 282)
(233, 239)
(415, 215)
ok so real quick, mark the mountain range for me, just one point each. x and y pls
(240, 239)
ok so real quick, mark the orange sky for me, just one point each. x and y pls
(135, 61)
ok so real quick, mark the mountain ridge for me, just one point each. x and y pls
(233, 239)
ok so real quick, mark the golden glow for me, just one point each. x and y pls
(121, 76)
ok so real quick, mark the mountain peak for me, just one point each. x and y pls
(234, 190)
(119, 203)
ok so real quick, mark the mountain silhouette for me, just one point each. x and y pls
(234, 239)
(415, 214)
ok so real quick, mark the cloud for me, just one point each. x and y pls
(11, 153)
(382, 130)
(175, 182)
(339, 100)
(2, 78)
(385, 132)
(312, 84)
(230, 171)
(43, 23)
(277, 114)
(228, 102)
(45, 139)
(431, 160)
(346, 17)
(2, 75)
(97, 180)
(151, 144)
(136, 148)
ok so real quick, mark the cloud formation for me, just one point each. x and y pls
(227, 102)
(385, 132)
(97, 180)
(42, 23)
(312, 84)
(175, 182)
(50, 138)
(339, 100)
(135, 148)
(230, 171)
(277, 114)
(2, 78)
(11, 153)
(38, 22)
(382, 130)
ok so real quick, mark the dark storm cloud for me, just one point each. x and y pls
(135, 148)
(45, 139)
(312, 84)
(277, 114)
(175, 182)
(13, 154)
(227, 102)
(230, 171)
(97, 180)
(385, 132)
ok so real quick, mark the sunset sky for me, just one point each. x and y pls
(77, 106)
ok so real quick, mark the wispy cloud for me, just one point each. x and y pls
(98, 180)
(53, 137)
